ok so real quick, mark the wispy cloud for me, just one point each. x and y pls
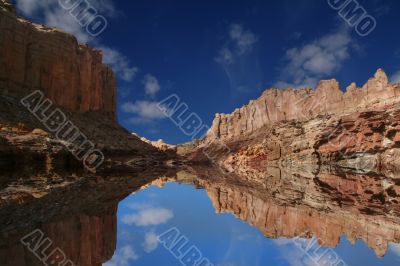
(119, 63)
(146, 217)
(143, 111)
(150, 242)
(151, 85)
(122, 257)
(322, 58)
(239, 59)
(49, 12)
(240, 42)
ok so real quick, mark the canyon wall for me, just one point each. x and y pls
(35, 57)
(277, 105)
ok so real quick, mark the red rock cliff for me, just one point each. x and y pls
(35, 57)
(276, 105)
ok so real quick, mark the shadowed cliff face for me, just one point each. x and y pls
(76, 211)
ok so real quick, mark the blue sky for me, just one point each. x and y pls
(223, 239)
(217, 55)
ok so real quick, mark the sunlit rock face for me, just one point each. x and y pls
(35, 57)
(277, 105)
(302, 204)
(356, 130)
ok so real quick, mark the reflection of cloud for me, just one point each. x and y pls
(292, 254)
(395, 248)
(150, 242)
(146, 217)
(122, 257)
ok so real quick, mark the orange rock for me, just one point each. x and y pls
(35, 57)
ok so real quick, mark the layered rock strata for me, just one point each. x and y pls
(36, 57)
(357, 130)
(277, 105)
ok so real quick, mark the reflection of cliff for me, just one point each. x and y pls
(76, 211)
(85, 240)
(327, 205)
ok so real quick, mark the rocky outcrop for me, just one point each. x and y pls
(159, 144)
(277, 105)
(356, 130)
(35, 57)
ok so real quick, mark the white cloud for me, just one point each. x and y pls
(225, 56)
(244, 39)
(239, 59)
(395, 78)
(240, 42)
(144, 111)
(150, 242)
(319, 59)
(29, 7)
(146, 217)
(151, 85)
(122, 257)
(119, 63)
(49, 12)
(58, 18)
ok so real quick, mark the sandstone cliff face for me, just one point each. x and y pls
(36, 57)
(276, 105)
(357, 130)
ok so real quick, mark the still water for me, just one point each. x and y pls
(199, 217)
(221, 238)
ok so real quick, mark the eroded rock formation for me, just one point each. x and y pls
(357, 130)
(276, 105)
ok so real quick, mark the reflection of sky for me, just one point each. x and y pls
(222, 238)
